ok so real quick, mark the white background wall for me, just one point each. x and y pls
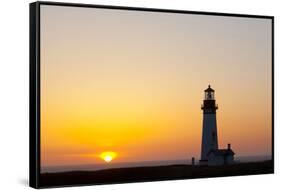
(14, 93)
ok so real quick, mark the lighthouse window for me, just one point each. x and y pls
(209, 96)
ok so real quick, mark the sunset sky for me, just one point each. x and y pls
(132, 82)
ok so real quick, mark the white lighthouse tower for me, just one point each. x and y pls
(209, 133)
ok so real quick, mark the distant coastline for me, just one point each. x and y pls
(96, 167)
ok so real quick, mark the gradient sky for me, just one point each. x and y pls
(132, 82)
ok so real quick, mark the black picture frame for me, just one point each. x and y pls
(34, 82)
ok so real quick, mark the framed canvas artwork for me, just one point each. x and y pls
(126, 94)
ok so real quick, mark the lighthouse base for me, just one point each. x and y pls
(203, 162)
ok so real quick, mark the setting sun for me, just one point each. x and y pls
(108, 156)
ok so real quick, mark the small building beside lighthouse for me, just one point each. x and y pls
(210, 152)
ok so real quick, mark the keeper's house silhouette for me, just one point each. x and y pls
(210, 153)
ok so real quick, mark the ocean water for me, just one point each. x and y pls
(94, 167)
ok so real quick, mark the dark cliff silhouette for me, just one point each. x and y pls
(153, 173)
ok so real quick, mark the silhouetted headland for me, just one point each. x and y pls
(153, 173)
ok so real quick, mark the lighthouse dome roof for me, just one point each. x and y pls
(209, 89)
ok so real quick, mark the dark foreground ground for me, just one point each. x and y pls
(152, 173)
